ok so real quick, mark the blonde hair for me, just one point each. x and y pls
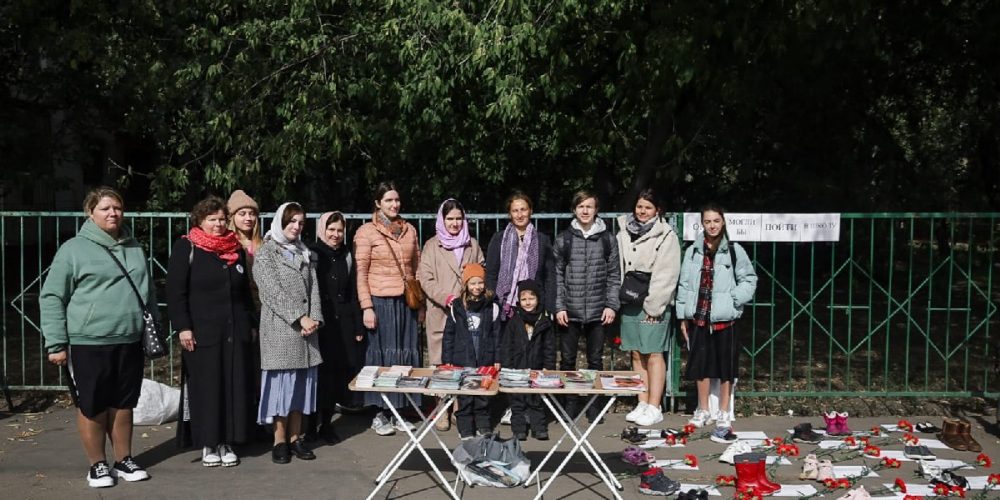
(255, 240)
(94, 197)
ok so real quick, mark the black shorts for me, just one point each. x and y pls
(106, 376)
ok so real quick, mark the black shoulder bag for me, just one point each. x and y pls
(635, 284)
(154, 338)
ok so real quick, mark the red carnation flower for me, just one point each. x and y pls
(958, 491)
(872, 451)
(994, 479)
(691, 460)
(844, 483)
(904, 425)
(941, 489)
(725, 480)
(984, 460)
(899, 485)
(876, 431)
(689, 429)
(618, 341)
(850, 441)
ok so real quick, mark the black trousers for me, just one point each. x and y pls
(593, 332)
(527, 409)
(473, 414)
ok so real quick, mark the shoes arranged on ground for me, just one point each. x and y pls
(100, 476)
(210, 457)
(723, 435)
(280, 454)
(128, 470)
(956, 433)
(402, 425)
(228, 456)
(825, 471)
(382, 424)
(637, 457)
(919, 452)
(836, 424)
(651, 415)
(966, 433)
(700, 418)
(858, 493)
(654, 482)
(810, 468)
(507, 415)
(301, 451)
(930, 472)
(638, 410)
(751, 473)
(927, 428)
(842, 424)
(693, 494)
(669, 432)
(630, 434)
(737, 448)
(804, 433)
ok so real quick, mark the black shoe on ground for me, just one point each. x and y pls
(804, 433)
(541, 435)
(521, 436)
(280, 454)
(128, 470)
(301, 452)
(100, 475)
(632, 435)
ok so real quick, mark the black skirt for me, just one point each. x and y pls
(713, 354)
(218, 392)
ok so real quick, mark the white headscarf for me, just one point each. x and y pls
(276, 234)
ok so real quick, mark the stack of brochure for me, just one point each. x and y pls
(510, 377)
(583, 379)
(411, 382)
(448, 379)
(541, 380)
(473, 382)
(390, 377)
(633, 383)
(366, 377)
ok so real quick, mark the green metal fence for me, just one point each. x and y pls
(903, 305)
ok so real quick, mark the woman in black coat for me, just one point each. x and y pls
(210, 306)
(341, 338)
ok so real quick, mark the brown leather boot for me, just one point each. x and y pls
(951, 434)
(965, 431)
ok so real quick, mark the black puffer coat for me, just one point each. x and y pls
(519, 352)
(589, 274)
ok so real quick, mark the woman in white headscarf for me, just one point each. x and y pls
(291, 312)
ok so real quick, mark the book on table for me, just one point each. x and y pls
(621, 382)
(411, 382)
(542, 380)
(366, 377)
(582, 379)
(510, 377)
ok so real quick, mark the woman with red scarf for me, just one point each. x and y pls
(211, 309)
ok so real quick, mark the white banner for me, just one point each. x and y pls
(772, 227)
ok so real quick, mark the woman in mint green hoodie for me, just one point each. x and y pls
(92, 323)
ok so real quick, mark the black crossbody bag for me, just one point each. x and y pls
(154, 337)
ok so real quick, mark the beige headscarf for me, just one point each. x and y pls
(321, 227)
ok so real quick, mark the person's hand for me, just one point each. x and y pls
(187, 340)
(562, 317)
(58, 358)
(608, 316)
(369, 319)
(309, 325)
(684, 331)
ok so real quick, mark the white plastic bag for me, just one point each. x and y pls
(158, 404)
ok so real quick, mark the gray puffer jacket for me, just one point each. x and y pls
(588, 274)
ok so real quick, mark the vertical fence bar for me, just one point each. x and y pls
(812, 316)
(24, 345)
(930, 305)
(42, 357)
(950, 259)
(968, 304)
(850, 309)
(887, 353)
(909, 304)
(991, 251)
(870, 311)
(3, 294)
(791, 319)
(830, 322)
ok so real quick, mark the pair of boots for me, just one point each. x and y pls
(836, 424)
(751, 472)
(957, 434)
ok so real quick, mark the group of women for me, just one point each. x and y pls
(272, 326)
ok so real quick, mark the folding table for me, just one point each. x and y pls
(426, 427)
(578, 436)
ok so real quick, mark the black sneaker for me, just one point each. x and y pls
(804, 433)
(654, 482)
(100, 475)
(280, 454)
(300, 450)
(632, 435)
(130, 471)
(913, 452)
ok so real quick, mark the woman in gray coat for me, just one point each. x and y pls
(291, 312)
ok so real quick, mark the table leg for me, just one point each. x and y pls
(413, 443)
(407, 448)
(586, 444)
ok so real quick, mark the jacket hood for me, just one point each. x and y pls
(90, 231)
(596, 228)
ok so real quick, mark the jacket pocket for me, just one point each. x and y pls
(723, 306)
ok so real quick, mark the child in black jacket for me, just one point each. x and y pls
(528, 342)
(471, 335)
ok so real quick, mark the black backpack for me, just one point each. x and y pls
(605, 238)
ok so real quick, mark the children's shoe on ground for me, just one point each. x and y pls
(130, 471)
(654, 482)
(737, 448)
(803, 433)
(382, 425)
(723, 435)
(100, 475)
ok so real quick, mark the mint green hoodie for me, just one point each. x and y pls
(86, 300)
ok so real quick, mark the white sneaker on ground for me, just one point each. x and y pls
(700, 418)
(723, 420)
(651, 415)
(229, 458)
(128, 470)
(100, 476)
(639, 409)
(382, 425)
(505, 419)
(210, 457)
(737, 448)
(402, 425)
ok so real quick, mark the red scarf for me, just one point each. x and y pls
(226, 246)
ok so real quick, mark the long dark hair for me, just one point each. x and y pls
(649, 195)
(382, 188)
(715, 207)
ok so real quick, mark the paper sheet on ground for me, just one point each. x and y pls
(796, 490)
(978, 482)
(774, 458)
(916, 489)
(675, 464)
(711, 489)
(947, 463)
(851, 471)
(897, 454)
(890, 427)
(934, 444)
(755, 438)
(657, 443)
(828, 444)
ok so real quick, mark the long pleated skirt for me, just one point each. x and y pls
(285, 391)
(395, 341)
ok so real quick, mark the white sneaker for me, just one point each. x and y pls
(128, 470)
(382, 425)
(715, 416)
(651, 415)
(634, 414)
(722, 420)
(402, 425)
(210, 457)
(505, 419)
(737, 448)
(700, 418)
(229, 458)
